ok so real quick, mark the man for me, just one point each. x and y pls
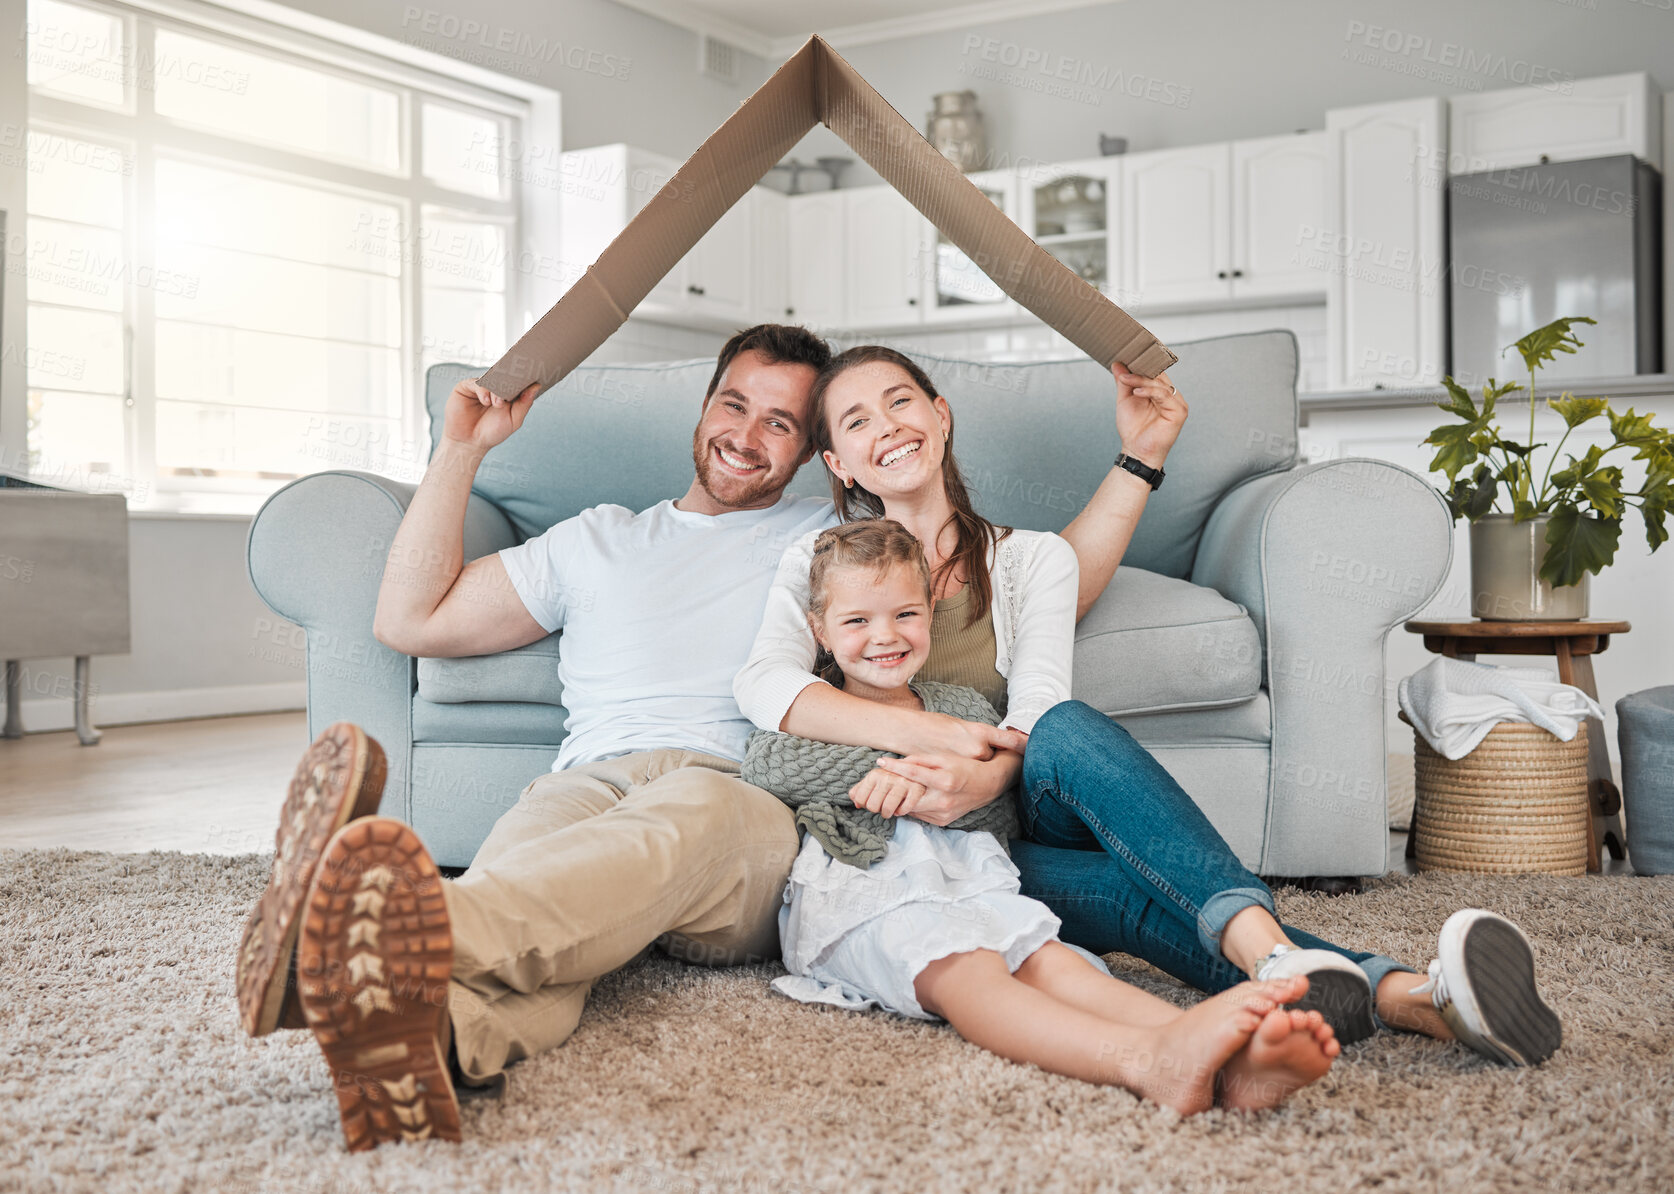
(642, 831)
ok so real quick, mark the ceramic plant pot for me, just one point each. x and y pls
(1505, 574)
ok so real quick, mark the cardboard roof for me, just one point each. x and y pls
(814, 86)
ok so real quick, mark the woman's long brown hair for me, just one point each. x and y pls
(974, 533)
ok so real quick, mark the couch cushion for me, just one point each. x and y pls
(1034, 439)
(606, 434)
(1247, 724)
(490, 722)
(1153, 643)
(525, 674)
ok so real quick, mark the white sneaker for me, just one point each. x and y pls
(1483, 984)
(1337, 988)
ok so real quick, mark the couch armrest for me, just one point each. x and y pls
(1327, 558)
(316, 556)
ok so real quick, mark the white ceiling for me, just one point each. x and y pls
(775, 28)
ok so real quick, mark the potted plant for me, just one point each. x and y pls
(1536, 535)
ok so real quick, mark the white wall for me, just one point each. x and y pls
(577, 47)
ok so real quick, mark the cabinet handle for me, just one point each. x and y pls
(912, 302)
(790, 310)
(1222, 274)
(694, 290)
(1237, 273)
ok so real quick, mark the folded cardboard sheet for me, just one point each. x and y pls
(816, 86)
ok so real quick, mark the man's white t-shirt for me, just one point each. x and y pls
(659, 610)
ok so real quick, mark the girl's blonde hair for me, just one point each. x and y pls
(875, 543)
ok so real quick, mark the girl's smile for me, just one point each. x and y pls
(876, 625)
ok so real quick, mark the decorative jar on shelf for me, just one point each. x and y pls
(956, 129)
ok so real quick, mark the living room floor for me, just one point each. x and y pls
(211, 786)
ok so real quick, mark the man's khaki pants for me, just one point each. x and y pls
(588, 870)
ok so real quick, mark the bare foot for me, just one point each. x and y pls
(1289, 1050)
(1191, 1049)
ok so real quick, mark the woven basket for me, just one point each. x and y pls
(1516, 804)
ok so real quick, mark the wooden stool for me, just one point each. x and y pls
(1573, 644)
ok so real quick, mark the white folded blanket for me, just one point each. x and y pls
(1454, 703)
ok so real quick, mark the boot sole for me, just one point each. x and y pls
(1344, 1001)
(373, 963)
(1517, 1028)
(341, 777)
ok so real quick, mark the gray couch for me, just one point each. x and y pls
(1242, 640)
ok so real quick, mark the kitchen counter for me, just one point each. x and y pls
(1642, 385)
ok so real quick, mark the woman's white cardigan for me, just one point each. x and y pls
(1035, 577)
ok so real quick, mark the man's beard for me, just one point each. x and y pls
(742, 491)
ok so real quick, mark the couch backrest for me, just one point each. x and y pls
(1034, 439)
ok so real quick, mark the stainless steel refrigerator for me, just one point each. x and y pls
(1530, 244)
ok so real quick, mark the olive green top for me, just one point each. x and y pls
(961, 654)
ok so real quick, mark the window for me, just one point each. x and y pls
(245, 244)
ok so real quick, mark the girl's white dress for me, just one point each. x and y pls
(858, 938)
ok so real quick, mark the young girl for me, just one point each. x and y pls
(884, 910)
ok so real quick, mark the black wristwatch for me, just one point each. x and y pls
(1151, 476)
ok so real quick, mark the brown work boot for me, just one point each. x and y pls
(373, 962)
(340, 778)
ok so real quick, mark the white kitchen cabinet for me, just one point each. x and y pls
(1565, 122)
(1382, 245)
(1177, 225)
(1668, 236)
(954, 287)
(719, 271)
(770, 215)
(883, 266)
(1072, 210)
(1278, 200)
(816, 258)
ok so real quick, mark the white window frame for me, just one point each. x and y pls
(529, 209)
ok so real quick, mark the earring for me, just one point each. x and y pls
(849, 484)
(944, 435)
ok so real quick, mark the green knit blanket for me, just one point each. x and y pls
(814, 778)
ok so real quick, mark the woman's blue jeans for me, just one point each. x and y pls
(1128, 862)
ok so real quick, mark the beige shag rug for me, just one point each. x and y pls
(122, 1068)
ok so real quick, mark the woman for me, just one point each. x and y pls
(1116, 849)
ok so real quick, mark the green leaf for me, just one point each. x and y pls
(1542, 344)
(1521, 450)
(1659, 481)
(1456, 449)
(1604, 490)
(1638, 431)
(1578, 543)
(1492, 393)
(1473, 498)
(1522, 510)
(1656, 534)
(1656, 498)
(1481, 501)
(1577, 470)
(1576, 411)
(1461, 404)
(1659, 472)
(1631, 427)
